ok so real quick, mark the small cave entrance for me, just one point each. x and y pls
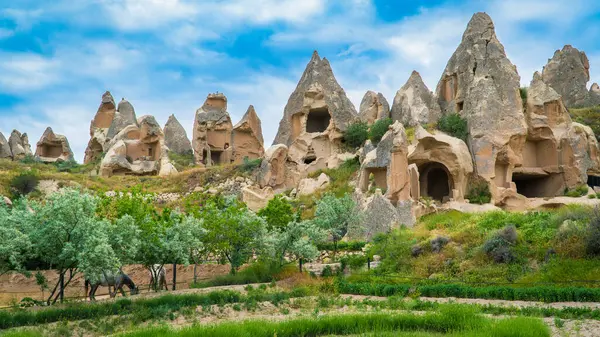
(593, 181)
(537, 185)
(95, 151)
(204, 156)
(50, 151)
(435, 181)
(317, 120)
(215, 157)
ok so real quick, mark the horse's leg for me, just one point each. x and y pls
(93, 293)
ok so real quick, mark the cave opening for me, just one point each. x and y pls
(318, 120)
(435, 181)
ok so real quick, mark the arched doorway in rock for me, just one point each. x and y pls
(435, 181)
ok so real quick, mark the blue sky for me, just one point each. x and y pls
(58, 57)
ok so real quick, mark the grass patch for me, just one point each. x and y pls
(259, 272)
(453, 320)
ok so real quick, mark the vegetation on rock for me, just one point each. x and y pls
(454, 125)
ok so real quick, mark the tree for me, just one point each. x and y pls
(233, 232)
(379, 128)
(338, 217)
(298, 239)
(67, 235)
(15, 227)
(278, 213)
(356, 134)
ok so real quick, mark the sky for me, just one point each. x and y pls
(58, 57)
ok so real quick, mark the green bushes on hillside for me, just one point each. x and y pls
(587, 116)
(378, 129)
(454, 125)
(356, 134)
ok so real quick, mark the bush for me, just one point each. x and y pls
(250, 165)
(378, 129)
(593, 235)
(259, 272)
(454, 125)
(499, 247)
(181, 161)
(278, 213)
(356, 134)
(589, 117)
(29, 159)
(577, 192)
(66, 165)
(479, 193)
(438, 243)
(351, 246)
(24, 183)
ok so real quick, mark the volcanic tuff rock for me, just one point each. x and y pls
(4, 147)
(247, 138)
(556, 149)
(19, 145)
(414, 103)
(272, 170)
(212, 132)
(137, 149)
(387, 166)
(380, 215)
(99, 128)
(373, 107)
(309, 186)
(53, 147)
(176, 138)
(124, 116)
(482, 85)
(568, 72)
(435, 151)
(317, 92)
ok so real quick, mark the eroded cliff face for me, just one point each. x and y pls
(176, 138)
(247, 138)
(373, 107)
(482, 85)
(99, 128)
(53, 147)
(568, 72)
(211, 138)
(315, 117)
(414, 104)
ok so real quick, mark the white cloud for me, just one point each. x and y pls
(5, 33)
(26, 72)
(267, 11)
(147, 14)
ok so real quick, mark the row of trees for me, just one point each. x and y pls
(75, 232)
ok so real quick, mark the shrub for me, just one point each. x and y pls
(577, 192)
(181, 161)
(250, 165)
(278, 213)
(454, 125)
(356, 134)
(499, 247)
(29, 159)
(379, 128)
(66, 165)
(24, 183)
(523, 93)
(259, 272)
(593, 235)
(438, 243)
(479, 193)
(589, 117)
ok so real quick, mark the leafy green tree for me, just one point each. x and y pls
(67, 235)
(233, 232)
(338, 217)
(378, 129)
(278, 213)
(25, 183)
(298, 239)
(356, 134)
(15, 227)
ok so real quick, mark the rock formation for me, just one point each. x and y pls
(558, 153)
(247, 138)
(124, 116)
(415, 104)
(138, 149)
(482, 85)
(99, 128)
(442, 165)
(273, 168)
(568, 72)
(53, 147)
(176, 138)
(4, 147)
(256, 198)
(19, 145)
(386, 167)
(309, 186)
(315, 116)
(373, 107)
(212, 132)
